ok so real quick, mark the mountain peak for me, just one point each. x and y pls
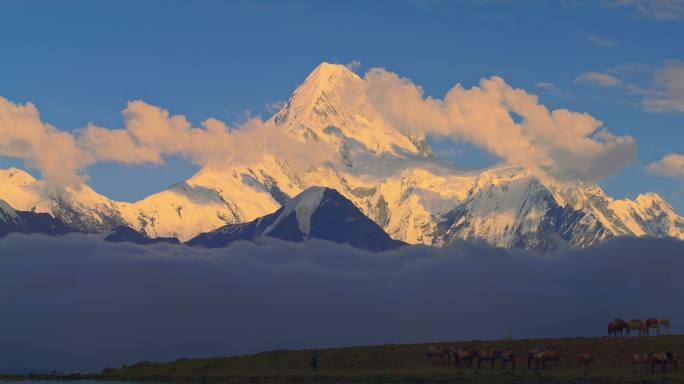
(316, 213)
(326, 73)
(326, 107)
(15, 176)
(325, 78)
(303, 205)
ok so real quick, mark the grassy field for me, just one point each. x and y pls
(407, 363)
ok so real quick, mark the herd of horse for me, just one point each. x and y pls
(620, 328)
(537, 358)
(466, 356)
(541, 358)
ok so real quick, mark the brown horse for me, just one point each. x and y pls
(542, 357)
(530, 356)
(652, 323)
(439, 352)
(650, 360)
(465, 355)
(657, 323)
(637, 325)
(584, 361)
(672, 359)
(489, 356)
(617, 327)
(507, 356)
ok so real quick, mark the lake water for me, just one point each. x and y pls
(66, 381)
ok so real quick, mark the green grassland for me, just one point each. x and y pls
(408, 364)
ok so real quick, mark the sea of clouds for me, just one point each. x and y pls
(76, 303)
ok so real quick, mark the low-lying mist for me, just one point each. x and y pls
(75, 303)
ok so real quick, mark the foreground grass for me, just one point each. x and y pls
(407, 363)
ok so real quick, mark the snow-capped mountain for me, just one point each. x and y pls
(390, 177)
(12, 221)
(82, 209)
(316, 213)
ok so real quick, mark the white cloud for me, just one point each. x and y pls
(151, 133)
(601, 41)
(55, 153)
(598, 78)
(671, 165)
(664, 93)
(560, 144)
(547, 87)
(654, 9)
(668, 83)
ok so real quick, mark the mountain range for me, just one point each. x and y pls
(316, 213)
(392, 179)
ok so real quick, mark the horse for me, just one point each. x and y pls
(530, 356)
(584, 361)
(673, 359)
(652, 323)
(650, 360)
(541, 357)
(657, 323)
(637, 325)
(439, 352)
(617, 327)
(554, 355)
(465, 355)
(507, 356)
(490, 356)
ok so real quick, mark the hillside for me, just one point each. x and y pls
(402, 363)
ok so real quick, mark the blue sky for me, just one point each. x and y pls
(81, 62)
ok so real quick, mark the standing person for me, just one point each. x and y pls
(314, 361)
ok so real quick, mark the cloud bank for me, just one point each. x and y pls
(150, 134)
(24, 135)
(559, 144)
(75, 303)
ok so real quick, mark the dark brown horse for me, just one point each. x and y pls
(617, 328)
(506, 357)
(672, 359)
